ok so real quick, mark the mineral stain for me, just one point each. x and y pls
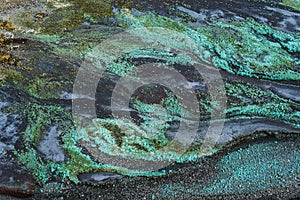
(259, 64)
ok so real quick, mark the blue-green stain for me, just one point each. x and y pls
(257, 167)
(239, 47)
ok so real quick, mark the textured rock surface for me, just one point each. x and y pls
(255, 45)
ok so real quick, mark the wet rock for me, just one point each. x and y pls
(50, 146)
(97, 178)
(17, 182)
(14, 179)
(297, 68)
(259, 55)
(288, 92)
(236, 128)
(9, 123)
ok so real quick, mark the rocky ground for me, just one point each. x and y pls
(240, 60)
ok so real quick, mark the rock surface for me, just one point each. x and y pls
(52, 142)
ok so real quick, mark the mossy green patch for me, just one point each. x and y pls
(292, 3)
(246, 48)
(242, 48)
(44, 88)
(40, 118)
(9, 66)
(249, 101)
(62, 20)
